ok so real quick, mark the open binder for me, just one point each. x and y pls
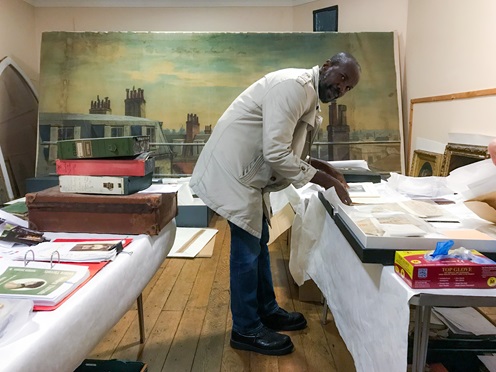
(45, 283)
(84, 251)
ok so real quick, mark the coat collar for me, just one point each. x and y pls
(316, 74)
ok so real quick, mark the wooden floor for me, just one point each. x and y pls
(188, 321)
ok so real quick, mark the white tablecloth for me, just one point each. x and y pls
(371, 311)
(60, 340)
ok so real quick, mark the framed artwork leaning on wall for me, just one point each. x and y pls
(426, 164)
(457, 155)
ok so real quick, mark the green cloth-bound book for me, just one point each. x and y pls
(107, 147)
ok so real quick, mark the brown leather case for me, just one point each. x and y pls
(140, 213)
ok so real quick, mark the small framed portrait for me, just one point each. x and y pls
(457, 155)
(426, 164)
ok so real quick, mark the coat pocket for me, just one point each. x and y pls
(256, 173)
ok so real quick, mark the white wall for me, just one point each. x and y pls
(451, 49)
(17, 36)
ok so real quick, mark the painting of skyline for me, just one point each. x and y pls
(204, 72)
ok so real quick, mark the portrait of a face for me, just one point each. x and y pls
(426, 170)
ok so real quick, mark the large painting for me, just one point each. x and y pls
(174, 86)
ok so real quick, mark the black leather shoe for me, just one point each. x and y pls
(264, 342)
(281, 320)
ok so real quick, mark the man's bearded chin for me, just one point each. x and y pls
(323, 94)
(325, 97)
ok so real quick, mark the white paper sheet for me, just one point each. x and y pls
(474, 179)
(10, 218)
(432, 187)
(23, 199)
(190, 241)
(185, 195)
(349, 164)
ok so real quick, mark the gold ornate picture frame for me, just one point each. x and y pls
(426, 163)
(457, 155)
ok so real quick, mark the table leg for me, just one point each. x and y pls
(324, 312)
(426, 319)
(141, 318)
(420, 337)
(416, 338)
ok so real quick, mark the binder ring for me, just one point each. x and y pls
(52, 264)
(26, 261)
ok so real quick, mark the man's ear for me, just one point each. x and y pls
(327, 64)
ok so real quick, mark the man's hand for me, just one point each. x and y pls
(327, 181)
(337, 175)
(329, 169)
(343, 193)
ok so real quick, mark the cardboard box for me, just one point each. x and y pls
(309, 292)
(418, 272)
(281, 222)
(196, 214)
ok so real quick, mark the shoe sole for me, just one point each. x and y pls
(293, 327)
(241, 346)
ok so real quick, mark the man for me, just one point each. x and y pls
(257, 147)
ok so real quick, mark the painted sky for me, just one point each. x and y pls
(202, 73)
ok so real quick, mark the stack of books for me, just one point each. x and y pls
(108, 166)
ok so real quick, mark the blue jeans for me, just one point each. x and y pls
(252, 291)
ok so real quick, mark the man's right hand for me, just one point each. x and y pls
(343, 194)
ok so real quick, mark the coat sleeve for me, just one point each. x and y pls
(282, 107)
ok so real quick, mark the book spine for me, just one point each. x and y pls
(91, 148)
(105, 185)
(93, 167)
